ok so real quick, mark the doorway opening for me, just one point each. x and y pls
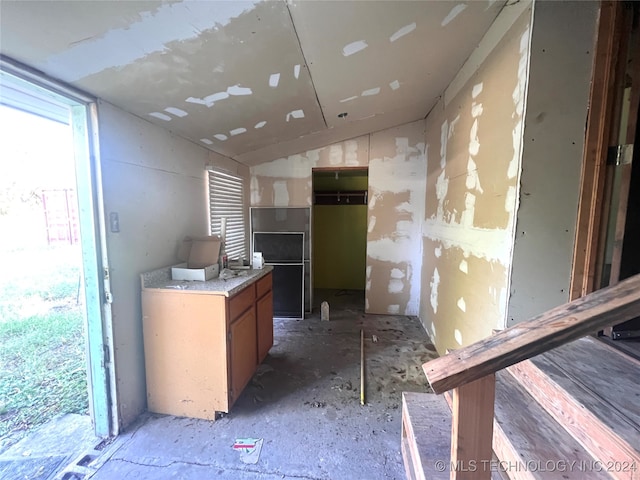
(340, 198)
(608, 227)
(41, 296)
(54, 292)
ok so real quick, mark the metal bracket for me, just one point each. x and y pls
(620, 155)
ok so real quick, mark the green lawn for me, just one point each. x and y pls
(42, 341)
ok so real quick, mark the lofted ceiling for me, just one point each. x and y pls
(253, 80)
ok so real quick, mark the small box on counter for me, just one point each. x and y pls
(182, 272)
(200, 259)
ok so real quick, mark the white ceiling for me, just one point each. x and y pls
(253, 80)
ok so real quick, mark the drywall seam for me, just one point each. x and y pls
(488, 244)
(503, 22)
(147, 167)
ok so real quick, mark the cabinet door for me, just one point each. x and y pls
(264, 308)
(243, 355)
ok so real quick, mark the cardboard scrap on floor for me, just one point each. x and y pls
(249, 449)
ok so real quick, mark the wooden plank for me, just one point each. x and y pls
(549, 330)
(472, 429)
(426, 436)
(615, 136)
(628, 137)
(530, 443)
(629, 349)
(607, 438)
(595, 151)
(615, 379)
(621, 219)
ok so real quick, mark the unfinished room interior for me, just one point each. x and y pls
(345, 240)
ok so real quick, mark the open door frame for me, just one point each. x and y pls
(612, 72)
(592, 181)
(83, 119)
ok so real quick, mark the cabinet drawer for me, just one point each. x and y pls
(264, 285)
(241, 301)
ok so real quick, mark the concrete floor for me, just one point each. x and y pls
(304, 403)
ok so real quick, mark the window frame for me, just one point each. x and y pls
(226, 195)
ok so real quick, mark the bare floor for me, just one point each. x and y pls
(304, 403)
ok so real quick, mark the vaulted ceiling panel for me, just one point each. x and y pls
(252, 80)
(371, 58)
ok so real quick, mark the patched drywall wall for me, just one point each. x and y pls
(397, 168)
(562, 44)
(473, 150)
(157, 184)
(397, 172)
(287, 182)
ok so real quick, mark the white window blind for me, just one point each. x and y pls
(226, 200)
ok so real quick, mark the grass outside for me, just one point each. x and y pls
(42, 354)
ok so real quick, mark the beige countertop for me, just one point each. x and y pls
(161, 280)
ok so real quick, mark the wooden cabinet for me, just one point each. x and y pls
(264, 315)
(243, 353)
(202, 347)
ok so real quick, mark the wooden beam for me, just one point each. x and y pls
(627, 138)
(551, 329)
(472, 429)
(595, 151)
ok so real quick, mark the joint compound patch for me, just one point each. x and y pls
(455, 11)
(354, 47)
(395, 286)
(462, 305)
(406, 30)
(464, 266)
(397, 273)
(393, 309)
(335, 154)
(434, 284)
(280, 193)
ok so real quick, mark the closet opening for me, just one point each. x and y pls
(340, 197)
